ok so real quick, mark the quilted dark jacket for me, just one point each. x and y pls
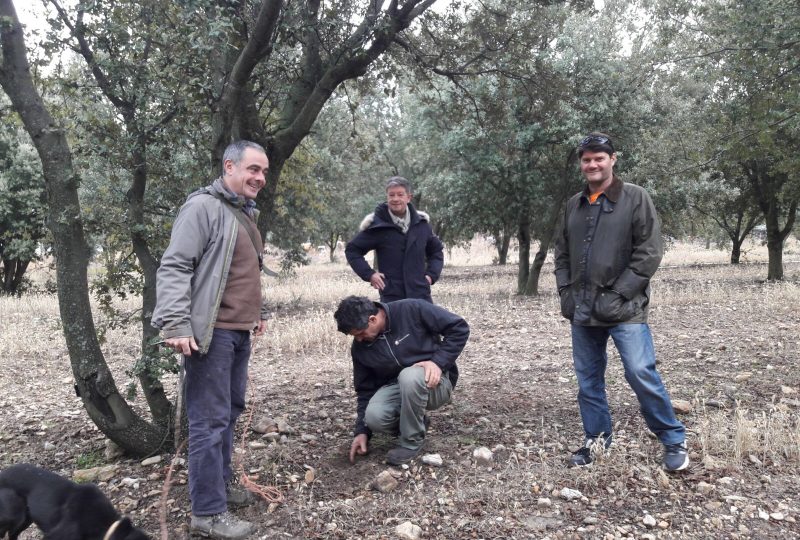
(605, 255)
(404, 259)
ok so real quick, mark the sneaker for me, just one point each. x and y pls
(401, 454)
(237, 494)
(224, 526)
(676, 456)
(583, 455)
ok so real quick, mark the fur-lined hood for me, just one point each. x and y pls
(370, 218)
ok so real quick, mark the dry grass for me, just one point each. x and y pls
(516, 395)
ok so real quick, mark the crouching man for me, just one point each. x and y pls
(404, 363)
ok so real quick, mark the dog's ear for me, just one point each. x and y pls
(126, 531)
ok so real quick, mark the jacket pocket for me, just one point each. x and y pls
(567, 302)
(610, 306)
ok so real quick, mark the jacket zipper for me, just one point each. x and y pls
(388, 346)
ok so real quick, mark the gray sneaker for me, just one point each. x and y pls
(224, 526)
(237, 494)
(676, 457)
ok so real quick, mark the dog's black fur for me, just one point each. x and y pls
(62, 509)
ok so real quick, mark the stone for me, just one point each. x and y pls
(570, 494)
(308, 437)
(590, 520)
(284, 427)
(681, 406)
(742, 376)
(152, 460)
(649, 521)
(705, 488)
(483, 456)
(544, 502)
(310, 476)
(717, 404)
(711, 464)
(434, 460)
(265, 425)
(256, 445)
(763, 515)
(95, 474)
(541, 523)
(112, 451)
(777, 516)
(788, 390)
(385, 482)
(408, 531)
(48, 446)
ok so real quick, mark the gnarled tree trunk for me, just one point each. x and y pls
(94, 382)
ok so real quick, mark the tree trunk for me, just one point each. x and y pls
(545, 239)
(13, 272)
(94, 382)
(774, 203)
(524, 239)
(736, 251)
(160, 406)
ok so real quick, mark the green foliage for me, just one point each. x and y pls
(22, 228)
(88, 460)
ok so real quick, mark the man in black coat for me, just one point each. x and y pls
(409, 255)
(404, 363)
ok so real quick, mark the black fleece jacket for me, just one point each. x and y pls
(415, 331)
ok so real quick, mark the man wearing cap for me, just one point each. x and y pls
(409, 255)
(608, 248)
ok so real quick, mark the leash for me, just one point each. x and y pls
(269, 494)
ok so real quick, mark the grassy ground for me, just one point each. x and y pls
(727, 343)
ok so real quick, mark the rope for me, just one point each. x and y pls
(269, 494)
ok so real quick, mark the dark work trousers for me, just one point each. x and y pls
(215, 387)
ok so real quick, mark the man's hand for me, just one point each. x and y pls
(376, 279)
(433, 373)
(430, 281)
(183, 345)
(261, 328)
(359, 447)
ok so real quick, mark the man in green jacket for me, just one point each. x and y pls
(607, 250)
(209, 302)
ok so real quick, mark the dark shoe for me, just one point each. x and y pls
(400, 454)
(676, 457)
(224, 526)
(237, 494)
(583, 455)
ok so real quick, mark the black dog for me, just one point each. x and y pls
(62, 509)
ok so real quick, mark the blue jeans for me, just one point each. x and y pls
(635, 346)
(215, 387)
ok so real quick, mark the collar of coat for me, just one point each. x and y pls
(612, 193)
(370, 219)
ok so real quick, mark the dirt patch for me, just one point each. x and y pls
(726, 343)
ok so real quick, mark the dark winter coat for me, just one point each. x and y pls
(415, 331)
(404, 259)
(605, 255)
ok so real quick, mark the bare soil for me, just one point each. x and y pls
(726, 341)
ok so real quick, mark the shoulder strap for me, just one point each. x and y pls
(239, 215)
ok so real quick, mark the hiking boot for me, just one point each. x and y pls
(224, 526)
(237, 494)
(400, 454)
(676, 457)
